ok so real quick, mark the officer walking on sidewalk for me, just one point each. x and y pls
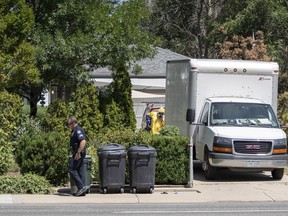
(76, 163)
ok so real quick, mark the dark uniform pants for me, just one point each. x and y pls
(76, 170)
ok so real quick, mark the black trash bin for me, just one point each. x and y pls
(142, 159)
(112, 163)
(87, 169)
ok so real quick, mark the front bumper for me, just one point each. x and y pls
(248, 161)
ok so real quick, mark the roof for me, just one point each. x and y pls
(152, 67)
(235, 99)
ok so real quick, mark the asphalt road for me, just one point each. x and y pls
(215, 209)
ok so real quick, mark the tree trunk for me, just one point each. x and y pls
(33, 109)
(35, 96)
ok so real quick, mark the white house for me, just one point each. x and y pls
(147, 87)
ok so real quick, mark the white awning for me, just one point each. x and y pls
(138, 96)
(136, 83)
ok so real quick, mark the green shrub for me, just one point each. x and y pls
(10, 106)
(56, 116)
(125, 137)
(6, 156)
(172, 162)
(31, 184)
(44, 154)
(169, 130)
(84, 104)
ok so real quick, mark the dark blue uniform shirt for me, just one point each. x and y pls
(77, 135)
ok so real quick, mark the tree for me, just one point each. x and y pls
(73, 37)
(17, 54)
(122, 96)
(84, 104)
(10, 106)
(245, 48)
(184, 25)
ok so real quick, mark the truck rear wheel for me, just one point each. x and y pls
(277, 174)
(209, 171)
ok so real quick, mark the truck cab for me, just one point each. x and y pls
(241, 134)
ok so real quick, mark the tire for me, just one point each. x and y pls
(121, 190)
(209, 171)
(104, 190)
(133, 190)
(277, 174)
(151, 190)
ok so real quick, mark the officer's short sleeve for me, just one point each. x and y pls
(80, 135)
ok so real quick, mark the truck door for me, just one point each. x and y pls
(201, 131)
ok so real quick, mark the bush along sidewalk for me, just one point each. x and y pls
(26, 184)
(172, 160)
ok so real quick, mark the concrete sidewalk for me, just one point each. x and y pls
(227, 187)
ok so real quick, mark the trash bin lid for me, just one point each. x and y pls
(111, 147)
(141, 148)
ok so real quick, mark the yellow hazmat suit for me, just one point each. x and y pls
(157, 121)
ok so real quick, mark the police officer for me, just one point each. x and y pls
(76, 164)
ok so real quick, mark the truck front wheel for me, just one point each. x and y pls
(209, 171)
(277, 174)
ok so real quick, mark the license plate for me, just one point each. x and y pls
(252, 163)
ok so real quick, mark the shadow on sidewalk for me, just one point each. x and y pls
(226, 175)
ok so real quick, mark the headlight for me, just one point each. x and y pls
(280, 146)
(280, 141)
(222, 140)
(222, 145)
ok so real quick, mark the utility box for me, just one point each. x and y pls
(142, 160)
(112, 163)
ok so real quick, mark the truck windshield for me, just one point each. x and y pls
(243, 114)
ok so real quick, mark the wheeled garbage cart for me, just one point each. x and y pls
(142, 159)
(112, 163)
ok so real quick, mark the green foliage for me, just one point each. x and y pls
(113, 116)
(172, 162)
(69, 34)
(172, 165)
(170, 130)
(26, 184)
(282, 111)
(44, 154)
(6, 156)
(85, 106)
(56, 116)
(126, 137)
(27, 126)
(92, 151)
(122, 89)
(184, 28)
(10, 106)
(17, 65)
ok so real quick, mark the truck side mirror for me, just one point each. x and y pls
(190, 115)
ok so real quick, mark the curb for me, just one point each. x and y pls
(94, 188)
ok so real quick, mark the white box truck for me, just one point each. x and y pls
(230, 108)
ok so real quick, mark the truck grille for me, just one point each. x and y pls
(252, 147)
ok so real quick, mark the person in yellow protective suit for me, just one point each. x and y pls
(157, 120)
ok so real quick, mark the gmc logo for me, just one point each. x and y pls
(253, 147)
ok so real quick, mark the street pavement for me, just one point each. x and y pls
(228, 186)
